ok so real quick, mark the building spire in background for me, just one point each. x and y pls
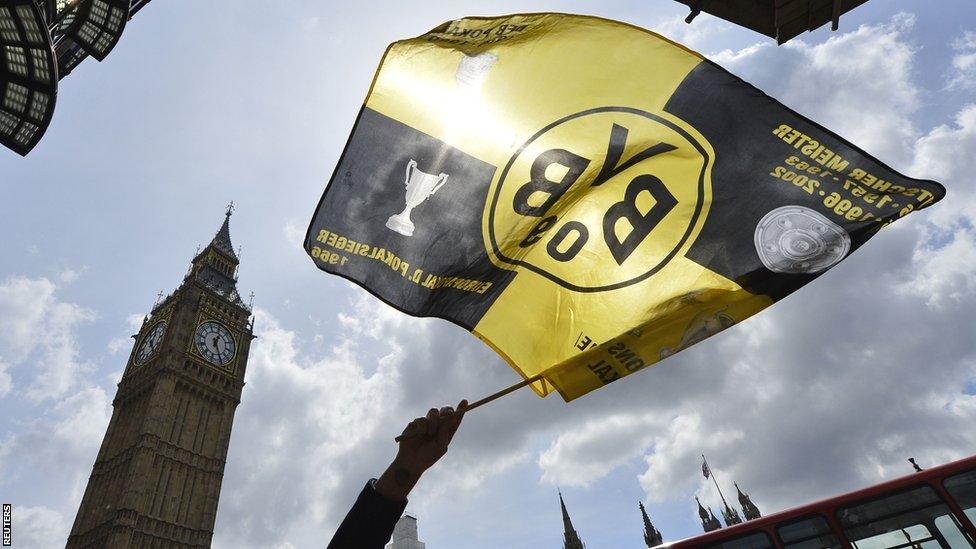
(572, 539)
(713, 522)
(221, 240)
(709, 522)
(652, 536)
(749, 508)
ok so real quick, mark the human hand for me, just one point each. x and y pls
(423, 442)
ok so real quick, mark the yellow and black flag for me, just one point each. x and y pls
(588, 197)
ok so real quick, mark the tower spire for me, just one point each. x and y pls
(749, 508)
(652, 536)
(572, 539)
(215, 266)
(709, 522)
(221, 240)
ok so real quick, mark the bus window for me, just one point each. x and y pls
(962, 488)
(807, 533)
(914, 519)
(758, 540)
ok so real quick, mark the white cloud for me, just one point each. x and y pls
(132, 324)
(68, 276)
(294, 233)
(702, 32)
(38, 527)
(63, 439)
(858, 84)
(945, 275)
(945, 154)
(37, 337)
(309, 420)
(962, 75)
(54, 453)
(590, 452)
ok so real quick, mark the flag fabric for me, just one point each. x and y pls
(588, 197)
(705, 470)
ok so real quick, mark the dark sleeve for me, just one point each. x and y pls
(369, 524)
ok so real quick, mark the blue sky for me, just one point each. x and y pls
(204, 103)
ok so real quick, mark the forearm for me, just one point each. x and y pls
(397, 481)
(369, 523)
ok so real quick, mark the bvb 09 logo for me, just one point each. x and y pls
(601, 199)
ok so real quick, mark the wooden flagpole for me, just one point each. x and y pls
(486, 400)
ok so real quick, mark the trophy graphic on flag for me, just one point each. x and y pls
(420, 186)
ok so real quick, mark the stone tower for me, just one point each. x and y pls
(652, 536)
(405, 534)
(572, 539)
(157, 476)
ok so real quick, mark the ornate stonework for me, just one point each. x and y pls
(157, 476)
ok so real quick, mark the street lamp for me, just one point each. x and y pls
(93, 25)
(28, 75)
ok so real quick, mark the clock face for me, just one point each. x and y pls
(215, 343)
(150, 343)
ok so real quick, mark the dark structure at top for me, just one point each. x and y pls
(749, 508)
(572, 539)
(42, 42)
(779, 19)
(709, 522)
(652, 536)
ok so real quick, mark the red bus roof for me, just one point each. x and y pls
(827, 505)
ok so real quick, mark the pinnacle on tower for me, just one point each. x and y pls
(731, 516)
(652, 536)
(572, 539)
(749, 508)
(713, 523)
(709, 522)
(216, 264)
(702, 512)
(221, 240)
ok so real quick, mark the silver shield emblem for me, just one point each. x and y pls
(798, 240)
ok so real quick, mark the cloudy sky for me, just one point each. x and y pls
(205, 102)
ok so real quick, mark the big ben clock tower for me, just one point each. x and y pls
(157, 476)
